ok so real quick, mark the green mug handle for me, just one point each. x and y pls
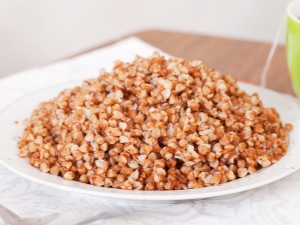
(293, 44)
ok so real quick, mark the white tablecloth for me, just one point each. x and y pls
(276, 203)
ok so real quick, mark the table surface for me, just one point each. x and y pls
(242, 59)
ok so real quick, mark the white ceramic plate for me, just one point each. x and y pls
(287, 107)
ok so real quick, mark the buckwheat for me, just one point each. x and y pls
(154, 124)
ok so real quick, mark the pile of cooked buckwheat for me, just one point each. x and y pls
(154, 124)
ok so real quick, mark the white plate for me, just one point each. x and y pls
(288, 108)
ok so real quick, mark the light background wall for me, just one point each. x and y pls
(35, 32)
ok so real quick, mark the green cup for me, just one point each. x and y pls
(293, 44)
